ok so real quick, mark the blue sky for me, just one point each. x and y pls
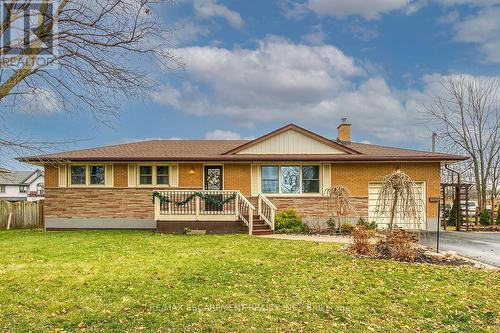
(253, 66)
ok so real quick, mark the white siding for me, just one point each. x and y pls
(12, 191)
(290, 142)
(174, 176)
(326, 177)
(255, 180)
(383, 220)
(63, 175)
(109, 178)
(132, 175)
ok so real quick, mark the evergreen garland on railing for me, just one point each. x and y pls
(208, 199)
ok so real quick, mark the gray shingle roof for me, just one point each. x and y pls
(14, 177)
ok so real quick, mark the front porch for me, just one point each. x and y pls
(215, 211)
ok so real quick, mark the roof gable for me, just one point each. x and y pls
(290, 140)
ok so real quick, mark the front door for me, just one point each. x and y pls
(213, 177)
(213, 182)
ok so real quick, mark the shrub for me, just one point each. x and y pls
(485, 218)
(452, 218)
(288, 222)
(317, 227)
(346, 228)
(400, 245)
(332, 223)
(361, 240)
(368, 225)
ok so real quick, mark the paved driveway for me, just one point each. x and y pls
(481, 246)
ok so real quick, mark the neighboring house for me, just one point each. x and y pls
(21, 185)
(220, 185)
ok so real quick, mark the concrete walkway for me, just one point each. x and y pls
(312, 238)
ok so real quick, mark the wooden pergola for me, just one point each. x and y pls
(460, 197)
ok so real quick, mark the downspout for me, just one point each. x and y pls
(457, 195)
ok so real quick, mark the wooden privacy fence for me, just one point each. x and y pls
(22, 214)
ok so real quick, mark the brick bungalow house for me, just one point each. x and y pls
(228, 185)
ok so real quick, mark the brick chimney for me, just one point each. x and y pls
(344, 131)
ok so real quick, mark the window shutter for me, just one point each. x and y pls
(173, 177)
(63, 175)
(108, 178)
(327, 177)
(255, 180)
(132, 176)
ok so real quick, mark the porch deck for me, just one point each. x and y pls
(214, 211)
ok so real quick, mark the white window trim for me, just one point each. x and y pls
(87, 174)
(153, 175)
(300, 194)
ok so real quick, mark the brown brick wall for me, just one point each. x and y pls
(188, 180)
(120, 171)
(137, 202)
(355, 176)
(96, 203)
(238, 177)
(51, 176)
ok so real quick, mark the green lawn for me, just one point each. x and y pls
(105, 281)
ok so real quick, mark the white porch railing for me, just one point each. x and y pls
(245, 211)
(266, 210)
(234, 206)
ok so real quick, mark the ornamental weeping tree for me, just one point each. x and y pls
(398, 196)
(340, 199)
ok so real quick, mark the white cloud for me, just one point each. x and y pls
(478, 3)
(211, 8)
(285, 82)
(222, 135)
(482, 29)
(315, 86)
(186, 31)
(316, 37)
(367, 9)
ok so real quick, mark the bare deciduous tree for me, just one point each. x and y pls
(340, 198)
(104, 52)
(468, 121)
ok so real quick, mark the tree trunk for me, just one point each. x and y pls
(393, 210)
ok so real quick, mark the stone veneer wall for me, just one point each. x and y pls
(98, 203)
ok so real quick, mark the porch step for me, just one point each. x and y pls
(260, 227)
(262, 232)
